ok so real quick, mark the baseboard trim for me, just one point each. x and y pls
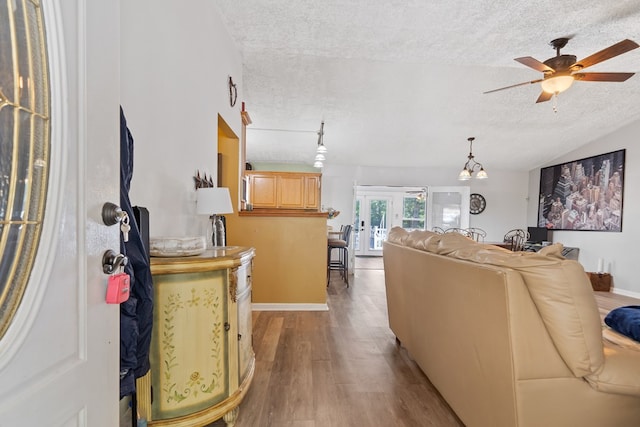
(626, 293)
(289, 307)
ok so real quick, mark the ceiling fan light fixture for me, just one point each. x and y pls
(558, 84)
(557, 71)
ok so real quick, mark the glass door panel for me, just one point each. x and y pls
(372, 219)
(378, 212)
(358, 226)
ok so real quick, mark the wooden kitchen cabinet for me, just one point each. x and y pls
(202, 359)
(263, 190)
(284, 190)
(312, 193)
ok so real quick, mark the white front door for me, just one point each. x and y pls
(59, 358)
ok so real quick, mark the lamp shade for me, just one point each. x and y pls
(213, 200)
(464, 175)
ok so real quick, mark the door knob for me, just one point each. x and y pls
(112, 261)
(112, 214)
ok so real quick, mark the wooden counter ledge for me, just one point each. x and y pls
(284, 213)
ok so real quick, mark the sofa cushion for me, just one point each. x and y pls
(620, 372)
(397, 235)
(452, 242)
(554, 251)
(562, 294)
(423, 240)
(564, 297)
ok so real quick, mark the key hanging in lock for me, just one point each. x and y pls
(125, 227)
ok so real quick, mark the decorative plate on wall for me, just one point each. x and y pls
(477, 203)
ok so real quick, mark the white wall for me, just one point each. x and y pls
(505, 192)
(618, 250)
(175, 63)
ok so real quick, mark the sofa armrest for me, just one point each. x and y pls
(615, 338)
(620, 372)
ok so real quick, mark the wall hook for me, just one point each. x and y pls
(233, 92)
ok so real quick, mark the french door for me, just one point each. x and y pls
(372, 218)
(379, 208)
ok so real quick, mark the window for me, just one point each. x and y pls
(414, 211)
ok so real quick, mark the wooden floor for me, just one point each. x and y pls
(343, 367)
(340, 367)
(607, 301)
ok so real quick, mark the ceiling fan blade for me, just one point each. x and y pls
(516, 85)
(602, 77)
(534, 63)
(617, 49)
(544, 96)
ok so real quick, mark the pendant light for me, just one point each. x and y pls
(471, 166)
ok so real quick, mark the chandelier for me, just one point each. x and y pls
(472, 166)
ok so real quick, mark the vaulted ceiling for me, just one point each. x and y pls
(401, 82)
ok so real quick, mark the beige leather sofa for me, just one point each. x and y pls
(508, 338)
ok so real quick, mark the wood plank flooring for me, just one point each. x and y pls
(343, 367)
(607, 301)
(338, 368)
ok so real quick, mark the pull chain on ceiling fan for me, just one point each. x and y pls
(561, 71)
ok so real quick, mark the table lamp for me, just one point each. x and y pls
(214, 201)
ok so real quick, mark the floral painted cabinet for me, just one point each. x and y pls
(202, 358)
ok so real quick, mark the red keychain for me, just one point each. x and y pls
(118, 288)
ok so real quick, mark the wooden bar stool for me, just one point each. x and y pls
(342, 263)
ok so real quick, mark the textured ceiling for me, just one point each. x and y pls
(401, 82)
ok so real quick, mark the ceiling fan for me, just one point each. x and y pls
(561, 71)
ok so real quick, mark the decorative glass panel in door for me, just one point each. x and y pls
(358, 226)
(378, 210)
(24, 147)
(448, 207)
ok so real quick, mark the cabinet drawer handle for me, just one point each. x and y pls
(227, 326)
